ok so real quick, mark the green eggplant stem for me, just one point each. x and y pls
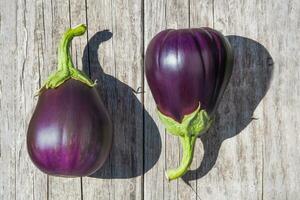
(65, 69)
(188, 144)
(64, 56)
(188, 130)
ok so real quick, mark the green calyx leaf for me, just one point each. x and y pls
(193, 124)
(188, 130)
(66, 69)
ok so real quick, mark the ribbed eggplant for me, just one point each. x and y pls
(70, 132)
(187, 71)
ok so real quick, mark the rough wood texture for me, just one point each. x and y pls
(57, 19)
(250, 153)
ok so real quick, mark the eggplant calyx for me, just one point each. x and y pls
(78, 75)
(188, 130)
(66, 69)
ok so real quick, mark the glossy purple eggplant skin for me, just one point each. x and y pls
(70, 133)
(187, 66)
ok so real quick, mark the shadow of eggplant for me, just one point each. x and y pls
(250, 81)
(128, 116)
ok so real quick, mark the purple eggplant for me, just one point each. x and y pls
(187, 71)
(70, 132)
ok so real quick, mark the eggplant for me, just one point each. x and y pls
(187, 71)
(70, 132)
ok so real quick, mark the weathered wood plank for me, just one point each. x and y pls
(281, 106)
(99, 18)
(78, 14)
(127, 151)
(117, 67)
(21, 79)
(201, 15)
(94, 188)
(234, 171)
(154, 131)
(177, 15)
(30, 182)
(8, 130)
(56, 21)
(160, 15)
(243, 159)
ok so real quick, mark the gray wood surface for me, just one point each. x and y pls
(251, 152)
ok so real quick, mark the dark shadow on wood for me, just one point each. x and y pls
(251, 77)
(128, 117)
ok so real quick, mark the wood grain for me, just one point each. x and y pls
(29, 79)
(8, 107)
(57, 20)
(154, 179)
(99, 50)
(250, 153)
(115, 60)
(19, 81)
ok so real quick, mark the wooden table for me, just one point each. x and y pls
(252, 151)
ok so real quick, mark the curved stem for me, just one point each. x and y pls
(66, 69)
(188, 144)
(64, 56)
(188, 130)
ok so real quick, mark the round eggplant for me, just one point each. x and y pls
(187, 71)
(70, 132)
